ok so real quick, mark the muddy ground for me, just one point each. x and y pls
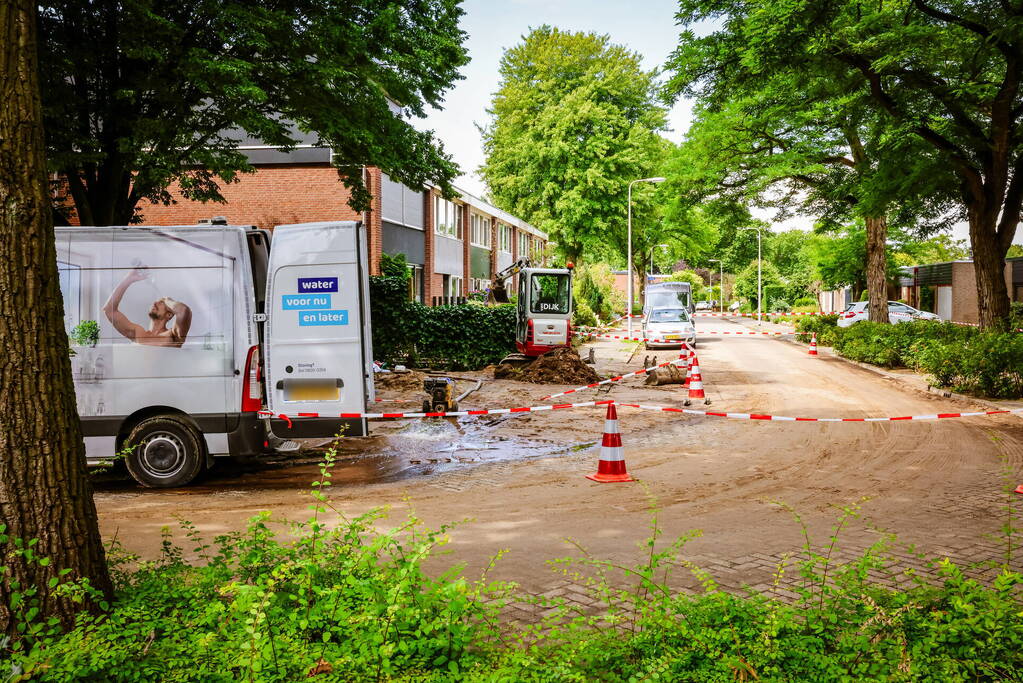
(519, 481)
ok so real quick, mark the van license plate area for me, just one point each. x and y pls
(673, 336)
(312, 390)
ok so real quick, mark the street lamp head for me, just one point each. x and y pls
(654, 180)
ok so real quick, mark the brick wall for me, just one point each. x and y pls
(466, 251)
(374, 225)
(273, 195)
(434, 281)
(965, 308)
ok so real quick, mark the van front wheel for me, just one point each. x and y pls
(165, 451)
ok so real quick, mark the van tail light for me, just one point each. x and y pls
(568, 332)
(252, 386)
(529, 331)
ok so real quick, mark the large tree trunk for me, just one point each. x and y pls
(989, 250)
(45, 493)
(877, 280)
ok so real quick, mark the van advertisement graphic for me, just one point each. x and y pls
(314, 309)
(148, 304)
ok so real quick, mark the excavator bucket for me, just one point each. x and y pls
(498, 294)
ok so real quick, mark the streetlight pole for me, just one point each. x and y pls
(721, 284)
(628, 305)
(760, 276)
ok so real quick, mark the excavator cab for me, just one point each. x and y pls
(544, 310)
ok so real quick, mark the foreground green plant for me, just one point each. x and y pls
(338, 600)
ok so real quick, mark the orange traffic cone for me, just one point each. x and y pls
(688, 355)
(696, 382)
(813, 344)
(611, 466)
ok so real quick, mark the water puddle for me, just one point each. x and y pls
(416, 449)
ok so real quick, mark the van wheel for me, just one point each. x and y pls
(167, 452)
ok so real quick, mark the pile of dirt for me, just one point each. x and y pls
(405, 382)
(560, 366)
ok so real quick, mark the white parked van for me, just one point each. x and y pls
(182, 334)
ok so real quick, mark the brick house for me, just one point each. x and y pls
(453, 247)
(950, 289)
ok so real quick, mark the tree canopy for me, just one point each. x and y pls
(945, 75)
(126, 117)
(574, 120)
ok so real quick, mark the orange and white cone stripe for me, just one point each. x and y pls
(696, 381)
(813, 344)
(611, 466)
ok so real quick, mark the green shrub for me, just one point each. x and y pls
(353, 602)
(825, 326)
(806, 301)
(463, 337)
(394, 265)
(583, 315)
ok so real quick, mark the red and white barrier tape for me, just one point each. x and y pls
(619, 378)
(783, 418)
(461, 413)
(753, 315)
(665, 409)
(679, 341)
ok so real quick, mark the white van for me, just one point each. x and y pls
(182, 334)
(668, 295)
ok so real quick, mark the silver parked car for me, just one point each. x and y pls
(897, 313)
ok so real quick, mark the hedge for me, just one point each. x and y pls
(463, 337)
(964, 359)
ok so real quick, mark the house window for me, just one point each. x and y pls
(447, 217)
(478, 285)
(415, 282)
(504, 238)
(479, 234)
(454, 286)
(523, 245)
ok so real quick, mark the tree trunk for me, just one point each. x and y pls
(877, 280)
(989, 268)
(45, 493)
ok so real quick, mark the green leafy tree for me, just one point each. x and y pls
(573, 121)
(945, 73)
(139, 95)
(936, 249)
(798, 141)
(746, 281)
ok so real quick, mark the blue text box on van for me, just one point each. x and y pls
(298, 302)
(315, 285)
(314, 318)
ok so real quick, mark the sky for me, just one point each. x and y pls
(646, 27)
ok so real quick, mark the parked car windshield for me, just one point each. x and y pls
(549, 293)
(669, 315)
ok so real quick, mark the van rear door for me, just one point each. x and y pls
(318, 350)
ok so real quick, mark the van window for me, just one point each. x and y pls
(549, 293)
(667, 299)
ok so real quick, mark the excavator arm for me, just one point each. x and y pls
(499, 292)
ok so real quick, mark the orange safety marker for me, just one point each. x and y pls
(1019, 489)
(696, 381)
(813, 344)
(611, 466)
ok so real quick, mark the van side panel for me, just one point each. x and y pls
(169, 309)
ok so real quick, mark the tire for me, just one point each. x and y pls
(168, 452)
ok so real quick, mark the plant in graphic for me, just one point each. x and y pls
(85, 333)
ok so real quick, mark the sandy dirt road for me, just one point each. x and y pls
(519, 481)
